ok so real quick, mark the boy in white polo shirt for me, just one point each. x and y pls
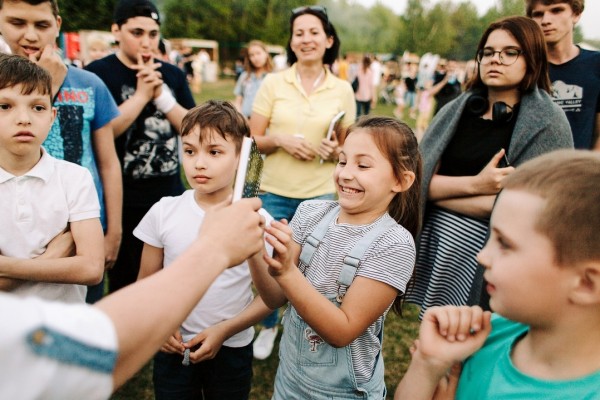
(42, 197)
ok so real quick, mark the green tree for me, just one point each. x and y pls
(385, 25)
(86, 14)
(442, 34)
(504, 9)
(230, 22)
(414, 32)
(468, 29)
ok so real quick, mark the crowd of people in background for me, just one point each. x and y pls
(485, 205)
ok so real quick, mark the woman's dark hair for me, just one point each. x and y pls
(331, 54)
(531, 39)
(366, 63)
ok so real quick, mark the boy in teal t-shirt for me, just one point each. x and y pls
(542, 268)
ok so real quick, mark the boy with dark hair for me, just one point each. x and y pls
(216, 337)
(574, 72)
(42, 197)
(81, 132)
(153, 97)
(542, 264)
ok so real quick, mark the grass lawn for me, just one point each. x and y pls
(398, 334)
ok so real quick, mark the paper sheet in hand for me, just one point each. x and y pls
(334, 124)
(249, 172)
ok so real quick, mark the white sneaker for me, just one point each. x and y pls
(263, 345)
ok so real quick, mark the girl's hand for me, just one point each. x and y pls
(280, 237)
(450, 334)
(489, 180)
(209, 342)
(328, 150)
(297, 147)
(174, 345)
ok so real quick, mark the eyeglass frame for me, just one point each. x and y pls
(479, 56)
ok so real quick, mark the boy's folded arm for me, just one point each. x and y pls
(7, 284)
(473, 206)
(85, 267)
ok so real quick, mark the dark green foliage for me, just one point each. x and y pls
(450, 29)
(86, 14)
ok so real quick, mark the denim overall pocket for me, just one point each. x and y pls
(312, 349)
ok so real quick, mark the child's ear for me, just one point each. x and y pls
(586, 290)
(114, 28)
(403, 184)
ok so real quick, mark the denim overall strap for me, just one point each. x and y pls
(311, 368)
(352, 260)
(316, 236)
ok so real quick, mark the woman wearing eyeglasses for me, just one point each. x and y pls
(290, 117)
(504, 119)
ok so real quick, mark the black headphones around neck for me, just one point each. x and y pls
(477, 104)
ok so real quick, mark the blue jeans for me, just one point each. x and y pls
(281, 207)
(362, 108)
(227, 376)
(409, 98)
(95, 292)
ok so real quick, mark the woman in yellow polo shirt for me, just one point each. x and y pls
(296, 106)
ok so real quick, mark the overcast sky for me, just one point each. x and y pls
(589, 21)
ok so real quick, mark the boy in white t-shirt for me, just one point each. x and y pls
(42, 197)
(211, 353)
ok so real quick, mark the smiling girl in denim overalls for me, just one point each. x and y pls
(342, 264)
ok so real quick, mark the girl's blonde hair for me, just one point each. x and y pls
(248, 67)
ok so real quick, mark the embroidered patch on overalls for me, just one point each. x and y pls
(313, 339)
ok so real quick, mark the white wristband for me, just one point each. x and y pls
(165, 102)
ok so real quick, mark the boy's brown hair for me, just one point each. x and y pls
(16, 70)
(53, 4)
(576, 5)
(569, 182)
(216, 116)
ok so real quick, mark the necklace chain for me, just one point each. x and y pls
(315, 83)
